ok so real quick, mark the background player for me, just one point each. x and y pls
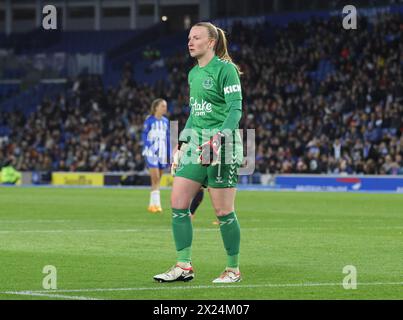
(156, 146)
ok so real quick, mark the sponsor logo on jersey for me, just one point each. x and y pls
(200, 109)
(208, 83)
(232, 89)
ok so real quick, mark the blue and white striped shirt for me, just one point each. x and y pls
(155, 136)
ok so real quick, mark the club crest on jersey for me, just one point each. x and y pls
(208, 83)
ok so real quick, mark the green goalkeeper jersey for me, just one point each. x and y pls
(212, 88)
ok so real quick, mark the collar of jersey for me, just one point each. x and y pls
(208, 64)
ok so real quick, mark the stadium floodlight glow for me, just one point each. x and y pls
(164, 18)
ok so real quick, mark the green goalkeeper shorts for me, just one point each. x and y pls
(222, 175)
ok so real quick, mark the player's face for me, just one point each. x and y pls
(199, 42)
(161, 108)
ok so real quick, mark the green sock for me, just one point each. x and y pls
(231, 236)
(183, 234)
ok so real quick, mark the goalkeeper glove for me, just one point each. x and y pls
(182, 147)
(210, 151)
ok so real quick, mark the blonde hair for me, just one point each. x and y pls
(221, 46)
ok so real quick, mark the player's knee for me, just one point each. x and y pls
(223, 211)
(179, 202)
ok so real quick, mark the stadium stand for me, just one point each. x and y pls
(322, 100)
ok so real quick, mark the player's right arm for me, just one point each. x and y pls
(184, 138)
(185, 134)
(182, 145)
(144, 136)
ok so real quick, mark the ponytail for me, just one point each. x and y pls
(221, 47)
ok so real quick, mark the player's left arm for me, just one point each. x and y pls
(231, 122)
(231, 84)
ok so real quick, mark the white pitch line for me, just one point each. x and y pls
(34, 221)
(73, 230)
(229, 286)
(195, 229)
(48, 295)
(101, 230)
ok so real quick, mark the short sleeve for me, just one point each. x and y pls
(230, 83)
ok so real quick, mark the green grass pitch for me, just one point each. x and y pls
(105, 245)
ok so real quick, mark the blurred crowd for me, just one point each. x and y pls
(91, 129)
(322, 100)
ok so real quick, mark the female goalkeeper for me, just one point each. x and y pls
(208, 155)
